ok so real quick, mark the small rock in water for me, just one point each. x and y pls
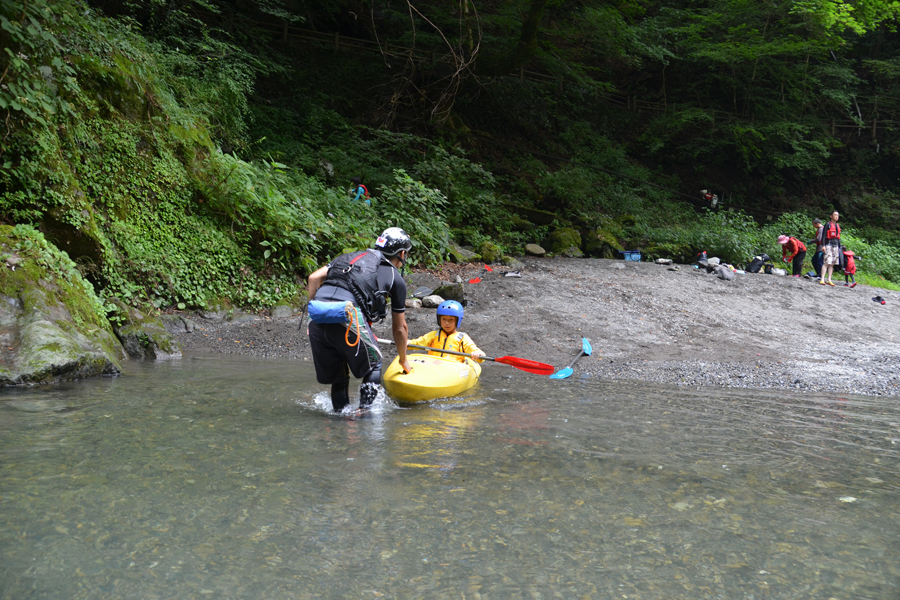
(847, 499)
(664, 261)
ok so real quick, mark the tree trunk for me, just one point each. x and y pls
(521, 53)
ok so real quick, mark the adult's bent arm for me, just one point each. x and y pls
(315, 282)
(401, 338)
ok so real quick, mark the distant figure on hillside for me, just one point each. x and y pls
(831, 244)
(792, 251)
(711, 200)
(360, 191)
(817, 258)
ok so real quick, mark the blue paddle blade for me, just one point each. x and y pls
(562, 373)
(586, 347)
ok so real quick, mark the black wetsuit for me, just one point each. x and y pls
(334, 359)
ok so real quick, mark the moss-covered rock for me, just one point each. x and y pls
(217, 310)
(145, 336)
(148, 340)
(458, 254)
(511, 261)
(563, 240)
(602, 243)
(626, 221)
(490, 252)
(452, 291)
(519, 223)
(52, 325)
(288, 307)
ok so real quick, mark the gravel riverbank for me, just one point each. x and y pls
(645, 322)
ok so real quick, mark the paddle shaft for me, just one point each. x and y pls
(574, 360)
(416, 346)
(523, 364)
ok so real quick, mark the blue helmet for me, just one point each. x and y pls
(450, 308)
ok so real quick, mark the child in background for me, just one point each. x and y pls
(850, 269)
(449, 317)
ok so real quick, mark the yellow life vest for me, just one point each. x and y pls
(457, 341)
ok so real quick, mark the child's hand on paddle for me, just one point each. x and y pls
(477, 355)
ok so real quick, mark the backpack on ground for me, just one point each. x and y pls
(757, 263)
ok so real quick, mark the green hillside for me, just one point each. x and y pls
(197, 152)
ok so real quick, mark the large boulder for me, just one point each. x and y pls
(145, 336)
(52, 325)
(490, 252)
(458, 254)
(566, 241)
(452, 291)
(288, 307)
(602, 243)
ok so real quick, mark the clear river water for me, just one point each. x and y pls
(225, 477)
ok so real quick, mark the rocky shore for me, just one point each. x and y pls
(645, 321)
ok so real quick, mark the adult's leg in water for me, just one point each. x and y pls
(368, 390)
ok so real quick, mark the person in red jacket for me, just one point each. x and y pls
(792, 251)
(831, 245)
(850, 269)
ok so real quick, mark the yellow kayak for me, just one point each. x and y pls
(432, 377)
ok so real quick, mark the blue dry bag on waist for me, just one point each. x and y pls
(328, 312)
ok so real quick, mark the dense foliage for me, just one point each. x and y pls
(187, 152)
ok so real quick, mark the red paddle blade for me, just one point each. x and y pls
(532, 366)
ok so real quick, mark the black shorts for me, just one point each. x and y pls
(332, 355)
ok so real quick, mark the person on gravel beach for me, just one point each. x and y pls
(817, 258)
(849, 269)
(792, 251)
(831, 245)
(345, 298)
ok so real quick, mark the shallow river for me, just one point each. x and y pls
(223, 477)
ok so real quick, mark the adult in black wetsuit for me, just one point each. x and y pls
(355, 278)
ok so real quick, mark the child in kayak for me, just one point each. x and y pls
(449, 317)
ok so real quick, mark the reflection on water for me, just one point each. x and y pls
(221, 477)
